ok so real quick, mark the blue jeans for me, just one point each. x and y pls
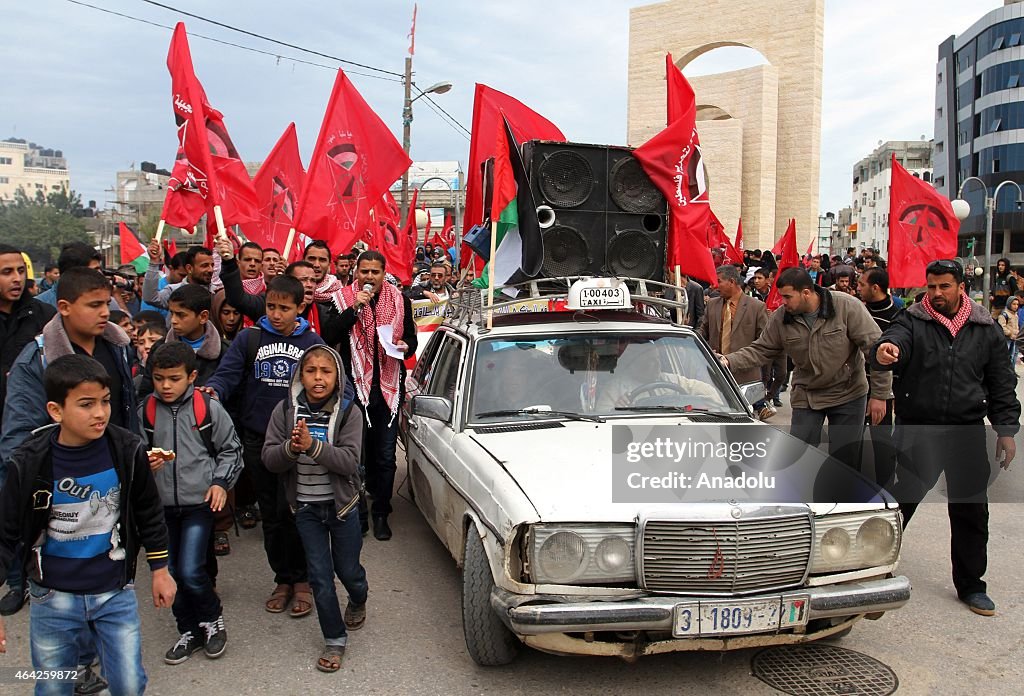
(332, 548)
(56, 621)
(188, 530)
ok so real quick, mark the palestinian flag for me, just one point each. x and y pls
(133, 253)
(519, 249)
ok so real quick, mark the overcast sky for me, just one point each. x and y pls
(96, 86)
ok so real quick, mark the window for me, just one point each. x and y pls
(421, 373)
(1014, 39)
(995, 166)
(940, 181)
(4, 180)
(55, 187)
(446, 370)
(938, 79)
(39, 186)
(6, 160)
(998, 43)
(938, 112)
(1013, 81)
(939, 148)
(995, 124)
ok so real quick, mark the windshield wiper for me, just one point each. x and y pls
(540, 412)
(681, 409)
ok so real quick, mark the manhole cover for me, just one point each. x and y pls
(823, 670)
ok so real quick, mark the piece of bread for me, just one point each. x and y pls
(166, 455)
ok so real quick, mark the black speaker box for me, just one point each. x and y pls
(609, 218)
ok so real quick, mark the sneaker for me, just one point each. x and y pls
(355, 616)
(980, 603)
(777, 402)
(766, 412)
(89, 682)
(13, 601)
(216, 637)
(183, 649)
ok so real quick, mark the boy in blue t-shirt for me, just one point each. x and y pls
(80, 536)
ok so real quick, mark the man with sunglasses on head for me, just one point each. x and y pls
(950, 372)
(437, 288)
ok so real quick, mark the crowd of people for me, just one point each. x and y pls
(225, 386)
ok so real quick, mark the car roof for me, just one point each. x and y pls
(611, 321)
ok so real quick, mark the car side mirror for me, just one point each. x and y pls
(752, 392)
(436, 407)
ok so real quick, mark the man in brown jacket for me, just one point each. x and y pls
(746, 317)
(827, 334)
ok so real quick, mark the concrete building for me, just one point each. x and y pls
(760, 128)
(871, 183)
(979, 126)
(32, 168)
(441, 188)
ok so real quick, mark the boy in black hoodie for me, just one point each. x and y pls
(79, 498)
(263, 358)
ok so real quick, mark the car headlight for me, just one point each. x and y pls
(581, 554)
(849, 542)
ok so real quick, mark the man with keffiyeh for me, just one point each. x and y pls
(951, 371)
(379, 379)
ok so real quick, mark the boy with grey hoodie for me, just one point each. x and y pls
(196, 457)
(314, 440)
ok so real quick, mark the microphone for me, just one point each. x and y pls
(367, 287)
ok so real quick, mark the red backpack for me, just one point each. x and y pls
(200, 409)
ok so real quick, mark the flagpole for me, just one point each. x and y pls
(490, 275)
(679, 282)
(221, 232)
(160, 231)
(288, 246)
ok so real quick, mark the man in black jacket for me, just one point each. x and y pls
(22, 317)
(951, 372)
(873, 289)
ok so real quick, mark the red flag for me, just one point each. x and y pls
(719, 242)
(678, 94)
(922, 228)
(396, 243)
(787, 247)
(278, 186)
(672, 159)
(412, 32)
(739, 237)
(184, 203)
(355, 160)
(170, 250)
(446, 237)
(426, 231)
(810, 249)
(526, 124)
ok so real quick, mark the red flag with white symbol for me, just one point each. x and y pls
(922, 228)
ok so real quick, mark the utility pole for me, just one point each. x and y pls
(406, 134)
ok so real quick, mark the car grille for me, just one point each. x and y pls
(719, 557)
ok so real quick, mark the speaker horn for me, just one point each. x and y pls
(545, 216)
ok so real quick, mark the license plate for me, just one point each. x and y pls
(602, 297)
(739, 616)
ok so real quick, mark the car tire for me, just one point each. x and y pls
(490, 643)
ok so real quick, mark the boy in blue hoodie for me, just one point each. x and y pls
(263, 358)
(207, 460)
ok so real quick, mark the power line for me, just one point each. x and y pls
(267, 38)
(228, 43)
(450, 117)
(433, 107)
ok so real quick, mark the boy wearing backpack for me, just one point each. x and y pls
(262, 359)
(205, 462)
(314, 440)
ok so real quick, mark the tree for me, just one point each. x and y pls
(39, 226)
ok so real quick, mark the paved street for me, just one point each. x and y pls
(412, 642)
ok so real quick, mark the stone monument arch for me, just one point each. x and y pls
(760, 126)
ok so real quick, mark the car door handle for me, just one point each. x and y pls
(414, 425)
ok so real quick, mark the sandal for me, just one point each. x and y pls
(330, 658)
(247, 518)
(279, 599)
(303, 600)
(221, 545)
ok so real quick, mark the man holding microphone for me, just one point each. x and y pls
(380, 327)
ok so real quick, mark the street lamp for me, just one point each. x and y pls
(454, 199)
(436, 88)
(962, 209)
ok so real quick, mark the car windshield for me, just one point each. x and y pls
(595, 375)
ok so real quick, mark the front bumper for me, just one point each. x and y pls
(533, 615)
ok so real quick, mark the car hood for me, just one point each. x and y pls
(569, 472)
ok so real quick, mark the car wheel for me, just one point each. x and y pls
(488, 640)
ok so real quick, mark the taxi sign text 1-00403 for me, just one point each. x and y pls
(612, 298)
(738, 616)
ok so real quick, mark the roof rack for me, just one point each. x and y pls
(650, 297)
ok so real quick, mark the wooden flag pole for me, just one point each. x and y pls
(221, 231)
(288, 246)
(490, 275)
(679, 283)
(160, 231)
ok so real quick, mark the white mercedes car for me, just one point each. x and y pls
(517, 438)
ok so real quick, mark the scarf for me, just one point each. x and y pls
(327, 288)
(954, 324)
(253, 286)
(363, 336)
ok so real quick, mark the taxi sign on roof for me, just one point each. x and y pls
(598, 293)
